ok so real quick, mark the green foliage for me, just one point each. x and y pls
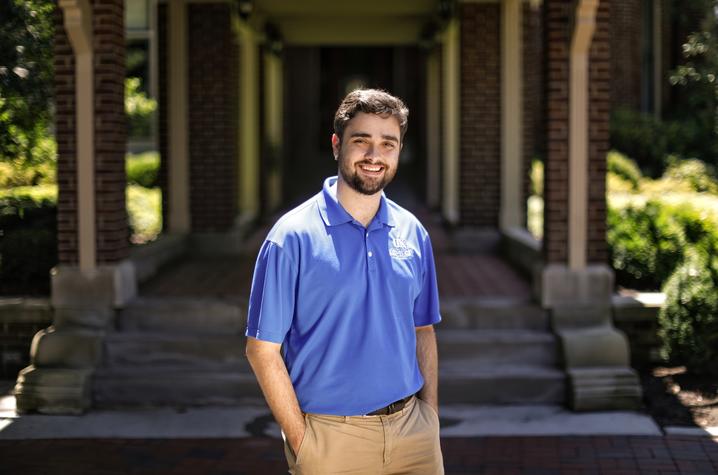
(28, 239)
(624, 167)
(139, 108)
(645, 244)
(689, 319)
(698, 175)
(42, 169)
(144, 207)
(143, 169)
(25, 76)
(536, 176)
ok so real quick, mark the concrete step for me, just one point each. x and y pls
(174, 386)
(184, 315)
(493, 313)
(492, 347)
(152, 348)
(500, 385)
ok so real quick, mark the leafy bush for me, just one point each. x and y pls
(143, 169)
(536, 176)
(689, 319)
(138, 108)
(39, 168)
(645, 244)
(144, 208)
(28, 239)
(624, 168)
(698, 175)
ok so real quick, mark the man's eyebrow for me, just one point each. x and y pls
(368, 135)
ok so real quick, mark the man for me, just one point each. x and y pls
(343, 301)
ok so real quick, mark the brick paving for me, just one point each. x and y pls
(459, 274)
(483, 455)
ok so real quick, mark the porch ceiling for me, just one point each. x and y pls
(368, 22)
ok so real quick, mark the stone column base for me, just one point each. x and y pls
(53, 390)
(596, 355)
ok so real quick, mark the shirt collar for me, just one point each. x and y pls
(333, 213)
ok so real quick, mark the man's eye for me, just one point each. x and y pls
(389, 144)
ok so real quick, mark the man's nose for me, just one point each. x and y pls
(370, 151)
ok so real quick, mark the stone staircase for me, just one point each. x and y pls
(498, 351)
(185, 352)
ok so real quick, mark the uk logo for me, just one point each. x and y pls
(399, 249)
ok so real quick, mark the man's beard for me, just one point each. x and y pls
(364, 185)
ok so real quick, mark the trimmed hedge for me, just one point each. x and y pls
(143, 169)
(28, 239)
(689, 319)
(645, 244)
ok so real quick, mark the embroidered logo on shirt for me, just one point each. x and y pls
(399, 249)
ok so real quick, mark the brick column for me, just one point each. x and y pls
(112, 231)
(596, 356)
(213, 117)
(84, 297)
(480, 175)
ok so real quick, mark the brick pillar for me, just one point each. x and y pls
(213, 117)
(557, 29)
(162, 109)
(480, 166)
(110, 136)
(600, 81)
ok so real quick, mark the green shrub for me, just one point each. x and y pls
(28, 239)
(39, 168)
(698, 175)
(144, 208)
(623, 167)
(645, 244)
(536, 176)
(689, 319)
(138, 108)
(143, 169)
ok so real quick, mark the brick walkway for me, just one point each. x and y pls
(490, 455)
(459, 275)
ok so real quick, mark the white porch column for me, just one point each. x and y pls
(578, 133)
(433, 129)
(451, 116)
(274, 99)
(78, 24)
(512, 208)
(178, 166)
(248, 124)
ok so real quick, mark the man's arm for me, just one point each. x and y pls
(427, 356)
(271, 372)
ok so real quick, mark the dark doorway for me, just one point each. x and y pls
(316, 80)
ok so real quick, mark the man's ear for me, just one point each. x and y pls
(336, 145)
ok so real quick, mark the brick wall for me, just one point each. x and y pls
(213, 117)
(110, 136)
(480, 161)
(599, 137)
(556, 38)
(626, 30)
(558, 34)
(64, 65)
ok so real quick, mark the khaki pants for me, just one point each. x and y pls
(406, 442)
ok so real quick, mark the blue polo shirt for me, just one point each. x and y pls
(344, 300)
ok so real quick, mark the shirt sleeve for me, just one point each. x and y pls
(426, 305)
(272, 298)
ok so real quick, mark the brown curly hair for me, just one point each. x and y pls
(370, 101)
